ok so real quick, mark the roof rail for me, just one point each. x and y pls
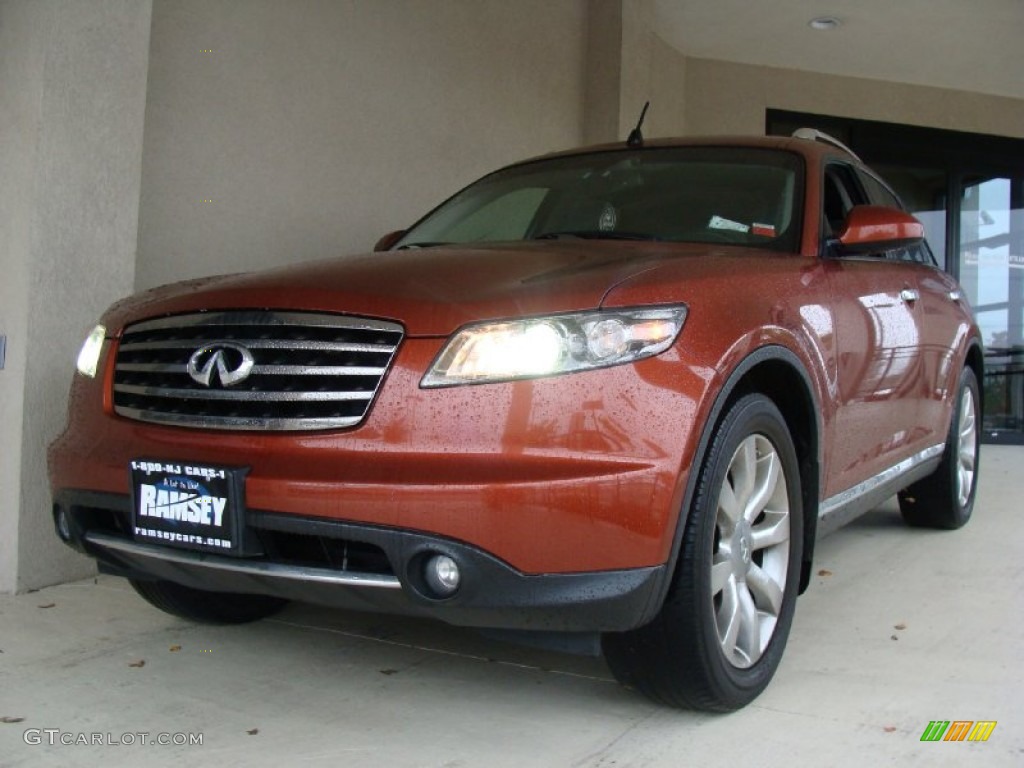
(813, 134)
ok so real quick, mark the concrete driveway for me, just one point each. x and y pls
(900, 627)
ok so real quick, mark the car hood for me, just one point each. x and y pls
(432, 292)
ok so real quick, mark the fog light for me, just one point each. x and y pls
(63, 525)
(442, 575)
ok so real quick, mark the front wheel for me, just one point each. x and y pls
(207, 607)
(721, 632)
(945, 499)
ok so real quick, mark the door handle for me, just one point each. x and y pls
(909, 295)
(955, 296)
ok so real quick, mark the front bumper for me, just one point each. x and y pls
(570, 474)
(364, 567)
(558, 497)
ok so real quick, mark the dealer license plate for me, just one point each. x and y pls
(192, 506)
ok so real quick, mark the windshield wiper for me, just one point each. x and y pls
(413, 246)
(594, 234)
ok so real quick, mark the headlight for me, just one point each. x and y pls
(523, 349)
(89, 355)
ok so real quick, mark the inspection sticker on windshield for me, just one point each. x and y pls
(762, 230)
(717, 222)
(192, 506)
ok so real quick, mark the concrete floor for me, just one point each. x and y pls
(899, 628)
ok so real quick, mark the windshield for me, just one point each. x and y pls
(743, 196)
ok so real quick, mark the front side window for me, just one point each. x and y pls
(879, 193)
(748, 197)
(840, 194)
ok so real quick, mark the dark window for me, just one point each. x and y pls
(878, 193)
(841, 193)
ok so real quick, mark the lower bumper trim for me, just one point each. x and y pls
(254, 568)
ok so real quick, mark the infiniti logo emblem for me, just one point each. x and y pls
(232, 363)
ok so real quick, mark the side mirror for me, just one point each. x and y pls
(874, 228)
(389, 239)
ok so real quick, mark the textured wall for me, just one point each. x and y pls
(603, 72)
(315, 127)
(628, 63)
(74, 77)
(652, 70)
(20, 87)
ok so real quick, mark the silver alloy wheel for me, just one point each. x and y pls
(750, 560)
(967, 450)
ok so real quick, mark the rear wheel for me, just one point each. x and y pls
(945, 499)
(206, 607)
(721, 633)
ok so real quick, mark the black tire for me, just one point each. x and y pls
(206, 607)
(682, 658)
(945, 499)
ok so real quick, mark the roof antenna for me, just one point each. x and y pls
(636, 138)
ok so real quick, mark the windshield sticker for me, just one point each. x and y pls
(609, 218)
(764, 230)
(717, 222)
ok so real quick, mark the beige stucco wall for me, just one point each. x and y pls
(628, 64)
(72, 94)
(726, 98)
(20, 90)
(315, 126)
(602, 86)
(652, 70)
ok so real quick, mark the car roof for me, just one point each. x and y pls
(811, 149)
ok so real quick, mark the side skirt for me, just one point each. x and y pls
(836, 511)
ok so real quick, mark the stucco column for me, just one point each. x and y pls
(72, 101)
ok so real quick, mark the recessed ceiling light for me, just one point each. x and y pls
(824, 22)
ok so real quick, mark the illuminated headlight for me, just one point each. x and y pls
(543, 346)
(89, 355)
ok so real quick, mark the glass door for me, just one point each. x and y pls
(991, 255)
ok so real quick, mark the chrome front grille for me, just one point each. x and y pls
(253, 370)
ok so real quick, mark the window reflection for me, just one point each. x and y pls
(894, 332)
(992, 273)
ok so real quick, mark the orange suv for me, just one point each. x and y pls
(613, 394)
